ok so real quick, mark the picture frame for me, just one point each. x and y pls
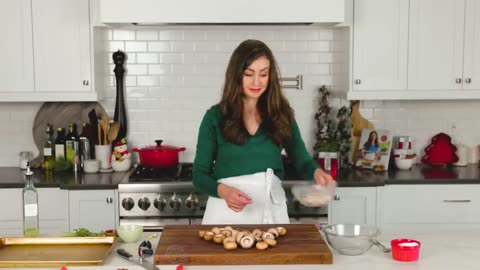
(374, 149)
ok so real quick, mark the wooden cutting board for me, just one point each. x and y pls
(303, 244)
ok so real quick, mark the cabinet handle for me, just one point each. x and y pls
(456, 201)
(458, 80)
(109, 200)
(336, 197)
(357, 81)
(468, 80)
(85, 82)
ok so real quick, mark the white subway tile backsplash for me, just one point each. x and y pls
(174, 74)
(135, 46)
(147, 35)
(159, 46)
(121, 34)
(147, 58)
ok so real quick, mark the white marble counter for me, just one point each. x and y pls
(439, 251)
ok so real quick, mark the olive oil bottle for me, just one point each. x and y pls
(30, 206)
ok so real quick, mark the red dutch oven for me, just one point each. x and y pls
(159, 156)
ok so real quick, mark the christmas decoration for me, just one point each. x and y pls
(325, 133)
(343, 135)
(441, 151)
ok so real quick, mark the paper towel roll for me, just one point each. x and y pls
(462, 153)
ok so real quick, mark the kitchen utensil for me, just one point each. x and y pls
(406, 250)
(130, 233)
(351, 239)
(105, 123)
(138, 261)
(113, 132)
(159, 156)
(358, 123)
(380, 245)
(145, 248)
(120, 113)
(303, 244)
(313, 195)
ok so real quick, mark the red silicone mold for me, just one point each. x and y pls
(405, 250)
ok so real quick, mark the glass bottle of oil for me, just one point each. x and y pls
(48, 149)
(30, 206)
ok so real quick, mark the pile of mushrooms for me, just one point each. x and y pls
(231, 238)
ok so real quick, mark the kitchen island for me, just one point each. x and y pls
(447, 250)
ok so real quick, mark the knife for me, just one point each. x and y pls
(139, 261)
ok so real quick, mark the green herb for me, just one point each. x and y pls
(84, 233)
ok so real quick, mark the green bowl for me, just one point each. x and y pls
(130, 233)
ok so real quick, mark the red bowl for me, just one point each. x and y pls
(405, 250)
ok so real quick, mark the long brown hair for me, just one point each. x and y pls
(276, 113)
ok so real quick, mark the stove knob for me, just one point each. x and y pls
(128, 204)
(192, 201)
(175, 202)
(144, 203)
(160, 203)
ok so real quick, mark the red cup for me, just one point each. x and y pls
(405, 250)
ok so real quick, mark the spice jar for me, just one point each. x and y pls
(328, 161)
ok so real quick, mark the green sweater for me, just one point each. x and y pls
(215, 158)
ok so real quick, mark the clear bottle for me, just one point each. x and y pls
(60, 144)
(48, 149)
(30, 206)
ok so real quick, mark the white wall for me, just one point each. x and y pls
(176, 73)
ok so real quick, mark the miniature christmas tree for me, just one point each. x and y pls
(325, 133)
(343, 135)
(441, 151)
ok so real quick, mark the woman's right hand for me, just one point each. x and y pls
(235, 199)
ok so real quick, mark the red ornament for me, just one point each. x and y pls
(441, 151)
(383, 138)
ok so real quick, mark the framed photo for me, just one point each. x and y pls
(374, 149)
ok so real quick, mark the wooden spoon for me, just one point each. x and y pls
(113, 132)
(105, 126)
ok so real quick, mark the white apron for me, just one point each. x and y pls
(269, 204)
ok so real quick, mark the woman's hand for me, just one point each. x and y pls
(235, 199)
(323, 178)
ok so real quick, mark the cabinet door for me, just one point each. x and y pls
(61, 45)
(16, 48)
(380, 37)
(436, 44)
(94, 210)
(53, 211)
(355, 205)
(471, 71)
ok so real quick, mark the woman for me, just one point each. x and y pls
(371, 146)
(245, 133)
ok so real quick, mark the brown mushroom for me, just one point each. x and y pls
(239, 237)
(216, 230)
(261, 245)
(281, 230)
(201, 233)
(273, 231)
(247, 241)
(267, 235)
(208, 236)
(270, 241)
(229, 245)
(229, 239)
(218, 238)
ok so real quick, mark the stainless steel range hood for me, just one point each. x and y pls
(232, 12)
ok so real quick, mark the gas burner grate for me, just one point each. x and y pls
(182, 172)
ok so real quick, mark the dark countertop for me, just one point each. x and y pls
(13, 177)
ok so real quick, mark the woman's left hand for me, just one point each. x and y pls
(323, 178)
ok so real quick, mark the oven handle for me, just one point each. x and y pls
(153, 228)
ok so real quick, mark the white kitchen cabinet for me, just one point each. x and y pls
(52, 206)
(380, 40)
(354, 205)
(436, 44)
(415, 205)
(16, 70)
(48, 54)
(416, 49)
(94, 210)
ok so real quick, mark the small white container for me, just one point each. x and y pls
(404, 163)
(91, 166)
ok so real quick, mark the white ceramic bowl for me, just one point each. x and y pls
(403, 163)
(91, 165)
(130, 233)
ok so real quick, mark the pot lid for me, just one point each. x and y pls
(160, 147)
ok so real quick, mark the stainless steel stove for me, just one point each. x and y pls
(156, 197)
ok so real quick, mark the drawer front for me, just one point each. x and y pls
(431, 204)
